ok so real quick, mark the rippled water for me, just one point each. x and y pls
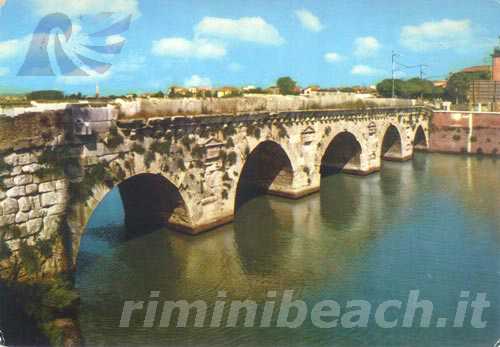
(431, 224)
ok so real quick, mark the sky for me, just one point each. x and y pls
(218, 43)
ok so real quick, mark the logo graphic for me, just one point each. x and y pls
(2, 339)
(57, 42)
(497, 344)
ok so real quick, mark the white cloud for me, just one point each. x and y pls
(366, 46)
(179, 47)
(365, 70)
(4, 71)
(197, 81)
(11, 48)
(85, 7)
(332, 57)
(249, 29)
(92, 78)
(309, 20)
(444, 34)
(110, 40)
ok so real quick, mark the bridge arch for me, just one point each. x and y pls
(343, 153)
(149, 199)
(391, 147)
(267, 169)
(420, 141)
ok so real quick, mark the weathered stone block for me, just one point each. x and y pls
(15, 192)
(8, 182)
(31, 168)
(24, 204)
(16, 170)
(34, 225)
(36, 202)
(23, 180)
(37, 214)
(10, 206)
(7, 220)
(31, 189)
(51, 226)
(56, 209)
(22, 217)
(49, 199)
(47, 187)
(61, 197)
(25, 159)
(61, 185)
(2, 195)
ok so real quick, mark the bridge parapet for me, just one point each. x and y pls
(188, 172)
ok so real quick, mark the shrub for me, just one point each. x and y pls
(180, 164)
(160, 147)
(229, 143)
(137, 148)
(149, 157)
(456, 137)
(229, 130)
(231, 158)
(55, 162)
(5, 251)
(114, 138)
(30, 259)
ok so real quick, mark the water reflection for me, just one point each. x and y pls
(430, 223)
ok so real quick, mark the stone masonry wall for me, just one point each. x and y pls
(451, 132)
(50, 185)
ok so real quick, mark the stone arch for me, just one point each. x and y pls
(343, 153)
(420, 141)
(149, 200)
(267, 169)
(391, 146)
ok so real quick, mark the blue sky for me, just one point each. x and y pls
(331, 43)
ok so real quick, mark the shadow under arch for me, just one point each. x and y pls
(268, 169)
(420, 140)
(392, 147)
(342, 154)
(149, 201)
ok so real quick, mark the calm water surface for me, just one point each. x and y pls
(431, 224)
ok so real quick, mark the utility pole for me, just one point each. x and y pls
(422, 66)
(394, 55)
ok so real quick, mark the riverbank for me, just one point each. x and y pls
(40, 313)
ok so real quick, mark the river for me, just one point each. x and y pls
(431, 224)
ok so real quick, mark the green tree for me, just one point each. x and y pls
(412, 88)
(46, 95)
(286, 85)
(459, 83)
(384, 88)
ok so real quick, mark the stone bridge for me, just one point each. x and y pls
(190, 173)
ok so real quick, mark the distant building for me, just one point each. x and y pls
(440, 83)
(273, 90)
(478, 68)
(311, 90)
(227, 92)
(496, 64)
(488, 91)
(249, 88)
